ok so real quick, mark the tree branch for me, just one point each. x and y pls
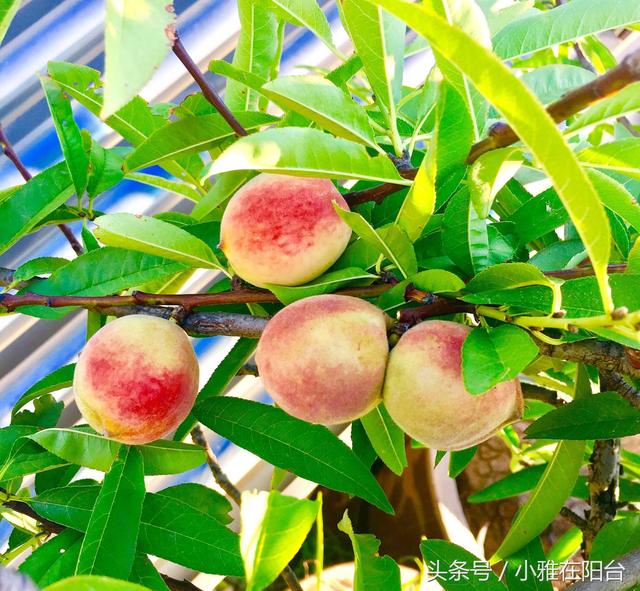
(626, 72)
(630, 573)
(207, 90)
(502, 135)
(10, 153)
(288, 576)
(534, 392)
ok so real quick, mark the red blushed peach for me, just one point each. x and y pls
(137, 379)
(322, 359)
(283, 229)
(425, 395)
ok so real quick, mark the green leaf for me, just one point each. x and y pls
(305, 152)
(55, 559)
(106, 271)
(105, 169)
(386, 438)
(56, 380)
(141, 28)
(38, 266)
(144, 573)
(506, 276)
(97, 452)
(188, 136)
(420, 201)
(633, 265)
(616, 539)
(464, 234)
(93, 583)
(489, 174)
(225, 186)
(177, 187)
(379, 39)
(273, 529)
(256, 51)
(68, 133)
(460, 459)
(565, 23)
(109, 544)
(372, 572)
(494, 355)
(530, 122)
(204, 498)
(622, 156)
(442, 557)
(326, 283)
(176, 529)
(549, 83)
(8, 9)
(391, 241)
(153, 236)
(303, 13)
(552, 490)
(324, 103)
(291, 444)
(510, 486)
(520, 565)
(622, 103)
(603, 416)
(33, 202)
(617, 198)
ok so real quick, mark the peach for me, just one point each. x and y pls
(322, 359)
(137, 379)
(425, 395)
(283, 229)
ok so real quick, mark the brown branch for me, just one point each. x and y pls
(534, 392)
(207, 90)
(288, 576)
(578, 272)
(573, 518)
(10, 153)
(618, 384)
(179, 585)
(625, 73)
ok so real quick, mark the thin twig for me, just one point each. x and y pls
(573, 518)
(207, 90)
(10, 153)
(288, 576)
(534, 392)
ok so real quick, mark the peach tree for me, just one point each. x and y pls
(427, 265)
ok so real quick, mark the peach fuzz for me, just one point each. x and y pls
(283, 229)
(136, 379)
(322, 359)
(425, 394)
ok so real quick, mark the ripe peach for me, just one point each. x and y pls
(425, 395)
(283, 229)
(322, 358)
(137, 379)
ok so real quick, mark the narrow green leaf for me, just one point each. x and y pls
(621, 156)
(225, 186)
(326, 283)
(133, 27)
(386, 438)
(372, 572)
(616, 539)
(552, 490)
(324, 103)
(391, 241)
(8, 9)
(303, 13)
(144, 573)
(442, 557)
(68, 133)
(159, 182)
(379, 39)
(255, 52)
(105, 169)
(273, 529)
(56, 380)
(305, 152)
(617, 198)
(519, 573)
(603, 416)
(56, 559)
(511, 485)
(109, 544)
(460, 459)
(93, 583)
(622, 103)
(419, 204)
(153, 236)
(291, 444)
(566, 23)
(531, 123)
(33, 202)
(494, 355)
(551, 82)
(190, 135)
